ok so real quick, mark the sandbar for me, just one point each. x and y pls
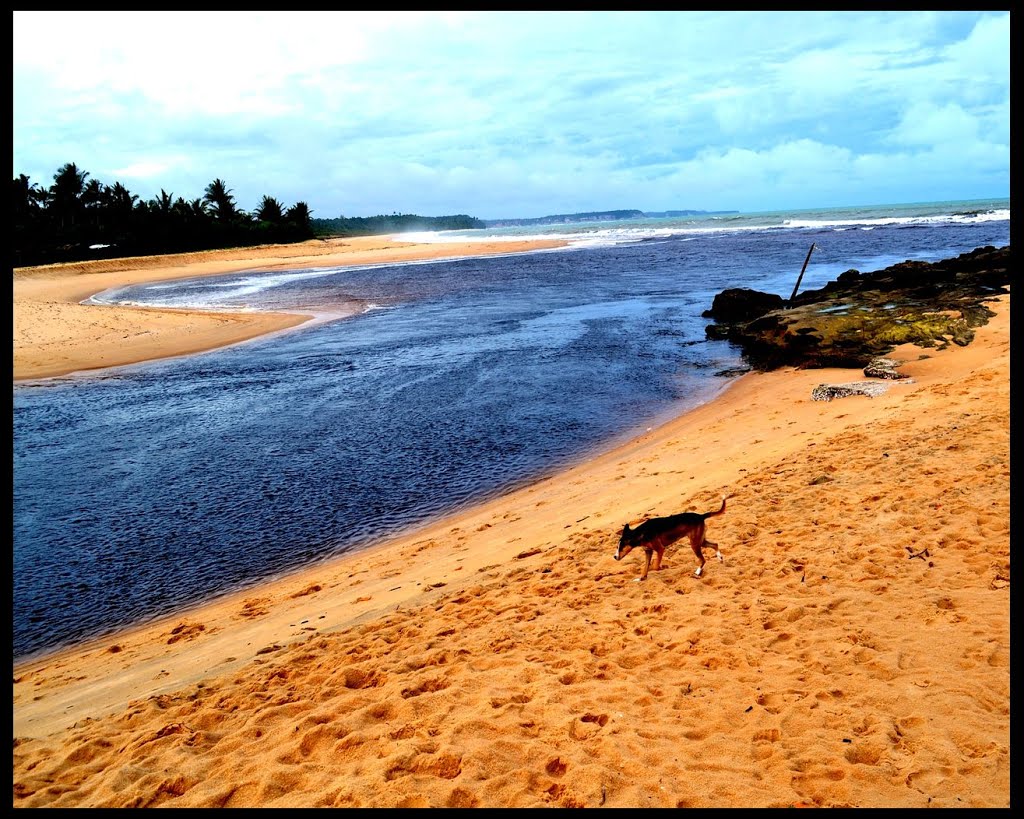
(55, 334)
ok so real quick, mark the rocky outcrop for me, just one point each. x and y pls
(741, 304)
(862, 316)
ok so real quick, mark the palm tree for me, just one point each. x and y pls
(66, 192)
(118, 205)
(92, 201)
(120, 200)
(221, 202)
(300, 217)
(26, 196)
(270, 210)
(196, 209)
(30, 234)
(163, 204)
(182, 210)
(156, 222)
(92, 193)
(193, 220)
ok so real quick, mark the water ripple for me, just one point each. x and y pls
(142, 490)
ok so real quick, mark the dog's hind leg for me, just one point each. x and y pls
(718, 552)
(696, 543)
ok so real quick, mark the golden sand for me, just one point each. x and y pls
(853, 649)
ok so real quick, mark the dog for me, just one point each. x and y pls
(656, 534)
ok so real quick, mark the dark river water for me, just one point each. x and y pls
(147, 488)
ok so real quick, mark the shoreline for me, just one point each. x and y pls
(623, 443)
(821, 659)
(55, 334)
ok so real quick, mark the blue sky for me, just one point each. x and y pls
(503, 114)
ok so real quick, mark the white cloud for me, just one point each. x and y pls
(926, 123)
(149, 170)
(985, 53)
(517, 113)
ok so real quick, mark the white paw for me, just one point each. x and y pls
(719, 556)
(697, 573)
(637, 579)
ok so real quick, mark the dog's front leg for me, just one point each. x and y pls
(647, 565)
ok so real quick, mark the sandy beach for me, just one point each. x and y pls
(852, 648)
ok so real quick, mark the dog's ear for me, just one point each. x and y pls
(625, 528)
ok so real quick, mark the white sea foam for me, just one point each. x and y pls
(260, 282)
(581, 238)
(591, 234)
(939, 218)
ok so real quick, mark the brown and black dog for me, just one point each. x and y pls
(656, 534)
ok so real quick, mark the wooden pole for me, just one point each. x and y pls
(802, 269)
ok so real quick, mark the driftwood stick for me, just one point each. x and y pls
(802, 269)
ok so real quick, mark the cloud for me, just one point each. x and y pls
(985, 53)
(927, 123)
(144, 170)
(518, 113)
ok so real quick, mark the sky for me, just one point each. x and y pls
(520, 114)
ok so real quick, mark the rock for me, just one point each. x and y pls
(861, 317)
(742, 304)
(883, 368)
(826, 392)
(730, 372)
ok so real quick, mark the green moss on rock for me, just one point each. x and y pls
(857, 318)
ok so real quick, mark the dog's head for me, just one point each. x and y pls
(626, 542)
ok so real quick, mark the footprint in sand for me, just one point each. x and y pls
(185, 631)
(587, 726)
(254, 607)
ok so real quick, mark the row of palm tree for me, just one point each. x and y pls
(80, 218)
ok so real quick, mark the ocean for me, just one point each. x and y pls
(144, 489)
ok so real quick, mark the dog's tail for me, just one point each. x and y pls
(707, 515)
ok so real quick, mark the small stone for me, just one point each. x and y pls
(883, 368)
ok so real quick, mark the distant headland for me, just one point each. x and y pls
(601, 216)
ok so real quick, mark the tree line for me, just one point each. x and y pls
(395, 223)
(78, 218)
